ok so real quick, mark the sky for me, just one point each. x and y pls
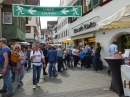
(48, 3)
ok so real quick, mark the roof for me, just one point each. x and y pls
(10, 2)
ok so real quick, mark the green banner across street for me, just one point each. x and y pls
(20, 10)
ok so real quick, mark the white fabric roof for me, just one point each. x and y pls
(121, 19)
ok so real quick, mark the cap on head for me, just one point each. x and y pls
(3, 40)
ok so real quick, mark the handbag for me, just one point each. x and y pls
(22, 61)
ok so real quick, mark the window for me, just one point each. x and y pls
(7, 17)
(86, 6)
(95, 3)
(28, 29)
(66, 32)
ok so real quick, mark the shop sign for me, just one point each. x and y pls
(85, 26)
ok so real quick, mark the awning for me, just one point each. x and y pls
(83, 36)
(121, 19)
(66, 41)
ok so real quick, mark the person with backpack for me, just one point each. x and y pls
(5, 68)
(37, 60)
(19, 68)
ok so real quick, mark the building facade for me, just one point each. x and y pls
(85, 29)
(49, 37)
(33, 25)
(13, 28)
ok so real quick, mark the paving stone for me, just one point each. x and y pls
(71, 83)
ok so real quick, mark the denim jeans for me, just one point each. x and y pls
(29, 64)
(96, 62)
(52, 68)
(20, 77)
(13, 74)
(36, 74)
(7, 84)
(76, 60)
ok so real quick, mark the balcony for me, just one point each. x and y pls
(11, 32)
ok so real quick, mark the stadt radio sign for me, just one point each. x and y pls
(20, 10)
(85, 26)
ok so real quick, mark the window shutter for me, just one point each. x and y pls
(95, 3)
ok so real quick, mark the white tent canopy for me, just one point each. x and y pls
(121, 19)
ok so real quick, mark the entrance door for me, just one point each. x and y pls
(121, 43)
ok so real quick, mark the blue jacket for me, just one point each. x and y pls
(52, 55)
(82, 55)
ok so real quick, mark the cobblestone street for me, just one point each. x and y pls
(74, 82)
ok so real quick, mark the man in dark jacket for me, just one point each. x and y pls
(52, 59)
(28, 58)
(44, 50)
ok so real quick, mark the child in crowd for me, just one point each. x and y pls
(82, 57)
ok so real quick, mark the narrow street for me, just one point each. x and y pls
(74, 82)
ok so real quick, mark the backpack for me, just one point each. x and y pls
(39, 50)
(34, 52)
(13, 59)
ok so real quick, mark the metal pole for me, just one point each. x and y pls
(0, 22)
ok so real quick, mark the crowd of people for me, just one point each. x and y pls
(38, 57)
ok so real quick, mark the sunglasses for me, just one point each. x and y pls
(16, 48)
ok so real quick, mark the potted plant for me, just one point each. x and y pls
(127, 41)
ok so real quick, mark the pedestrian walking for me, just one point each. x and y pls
(68, 54)
(37, 60)
(60, 58)
(12, 71)
(52, 59)
(75, 53)
(97, 56)
(19, 68)
(88, 56)
(82, 58)
(45, 51)
(25, 55)
(28, 58)
(4, 62)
